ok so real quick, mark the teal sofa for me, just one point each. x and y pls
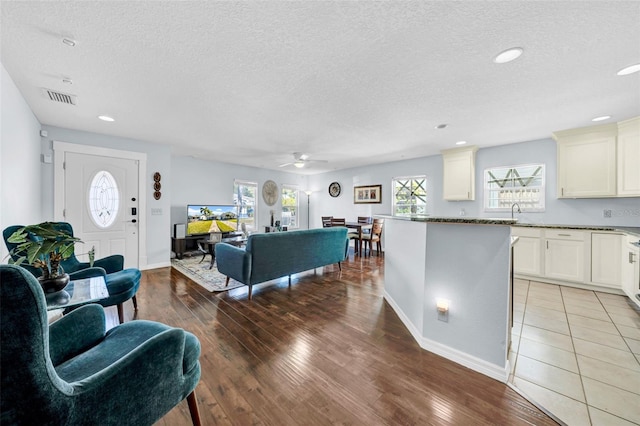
(274, 255)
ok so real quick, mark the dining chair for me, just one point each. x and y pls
(326, 221)
(365, 219)
(374, 236)
(338, 221)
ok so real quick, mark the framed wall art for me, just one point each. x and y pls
(367, 194)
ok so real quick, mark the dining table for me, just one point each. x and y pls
(359, 228)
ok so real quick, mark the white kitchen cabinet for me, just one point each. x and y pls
(630, 268)
(606, 259)
(564, 256)
(628, 158)
(587, 162)
(459, 172)
(527, 251)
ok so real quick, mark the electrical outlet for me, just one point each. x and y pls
(607, 213)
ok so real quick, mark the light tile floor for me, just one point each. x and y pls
(577, 353)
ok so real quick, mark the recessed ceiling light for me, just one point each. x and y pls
(69, 42)
(461, 142)
(508, 55)
(441, 126)
(299, 164)
(67, 80)
(629, 70)
(602, 118)
(106, 118)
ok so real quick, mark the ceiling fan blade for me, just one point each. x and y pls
(285, 164)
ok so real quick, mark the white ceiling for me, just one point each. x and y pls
(354, 83)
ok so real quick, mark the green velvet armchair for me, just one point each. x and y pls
(72, 265)
(122, 284)
(72, 372)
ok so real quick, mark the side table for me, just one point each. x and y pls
(211, 246)
(78, 292)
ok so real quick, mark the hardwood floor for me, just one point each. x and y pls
(327, 350)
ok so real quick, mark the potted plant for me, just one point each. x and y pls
(43, 246)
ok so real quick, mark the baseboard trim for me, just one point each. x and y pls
(474, 363)
(156, 266)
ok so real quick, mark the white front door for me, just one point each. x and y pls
(102, 204)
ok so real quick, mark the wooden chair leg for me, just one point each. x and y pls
(120, 313)
(226, 283)
(135, 302)
(250, 288)
(193, 408)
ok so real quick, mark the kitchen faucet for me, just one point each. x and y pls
(514, 205)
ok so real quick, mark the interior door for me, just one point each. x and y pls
(101, 203)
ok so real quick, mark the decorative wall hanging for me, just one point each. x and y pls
(334, 189)
(157, 186)
(270, 192)
(367, 194)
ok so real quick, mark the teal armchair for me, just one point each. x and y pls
(72, 265)
(122, 284)
(73, 372)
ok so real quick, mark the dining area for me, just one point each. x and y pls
(366, 232)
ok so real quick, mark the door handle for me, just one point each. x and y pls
(132, 221)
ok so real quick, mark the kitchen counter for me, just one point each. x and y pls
(464, 261)
(457, 220)
(625, 229)
(635, 231)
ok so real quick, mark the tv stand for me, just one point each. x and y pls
(180, 246)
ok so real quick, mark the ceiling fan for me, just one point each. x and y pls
(300, 159)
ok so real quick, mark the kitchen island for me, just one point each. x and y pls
(462, 262)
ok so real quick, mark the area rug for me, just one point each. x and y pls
(199, 272)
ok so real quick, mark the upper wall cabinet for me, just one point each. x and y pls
(459, 171)
(587, 162)
(629, 158)
(599, 161)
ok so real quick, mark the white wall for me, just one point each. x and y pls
(558, 211)
(20, 171)
(195, 181)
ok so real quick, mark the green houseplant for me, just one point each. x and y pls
(44, 246)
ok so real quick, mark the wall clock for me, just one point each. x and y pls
(270, 192)
(334, 189)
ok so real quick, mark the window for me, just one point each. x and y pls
(409, 196)
(290, 206)
(522, 184)
(104, 199)
(244, 196)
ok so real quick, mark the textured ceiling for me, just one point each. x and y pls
(354, 83)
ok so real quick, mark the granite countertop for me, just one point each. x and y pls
(635, 231)
(626, 229)
(460, 219)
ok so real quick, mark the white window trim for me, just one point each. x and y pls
(241, 182)
(543, 187)
(393, 192)
(297, 190)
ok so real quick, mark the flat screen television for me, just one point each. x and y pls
(206, 218)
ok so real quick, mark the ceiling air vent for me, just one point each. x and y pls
(64, 98)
